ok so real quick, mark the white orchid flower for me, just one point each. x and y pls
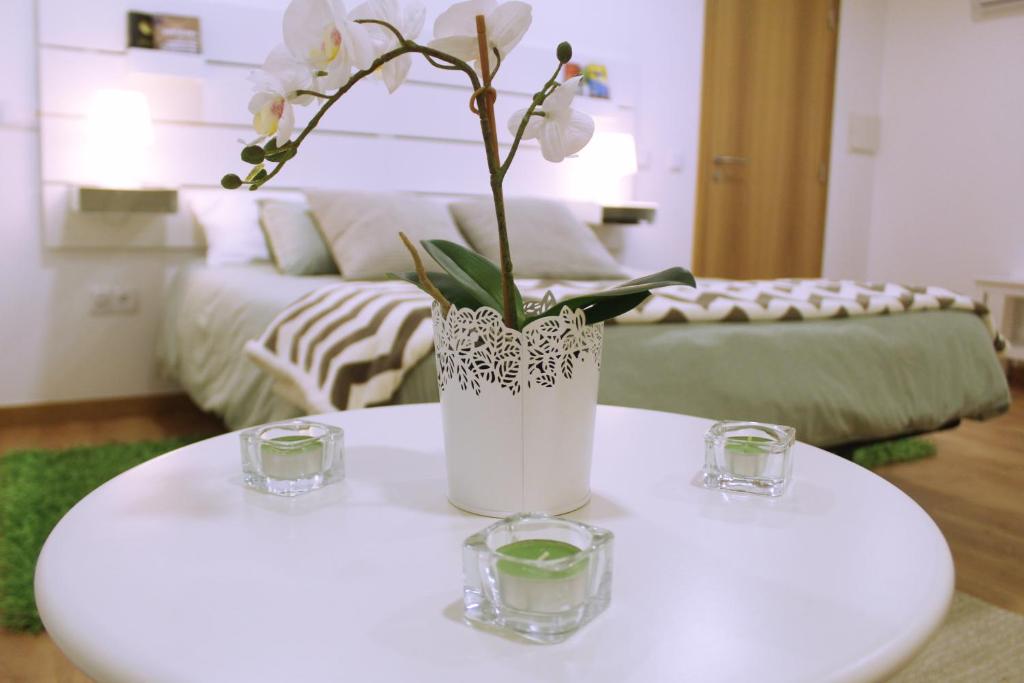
(409, 23)
(272, 114)
(320, 34)
(562, 131)
(455, 29)
(277, 84)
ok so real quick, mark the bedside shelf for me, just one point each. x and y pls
(142, 200)
(1004, 297)
(628, 213)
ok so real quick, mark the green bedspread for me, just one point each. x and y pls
(836, 381)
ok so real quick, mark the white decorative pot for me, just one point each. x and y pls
(518, 410)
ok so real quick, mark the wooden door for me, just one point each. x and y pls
(765, 134)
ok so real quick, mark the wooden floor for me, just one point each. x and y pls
(973, 488)
(104, 421)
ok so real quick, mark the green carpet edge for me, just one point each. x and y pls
(37, 488)
(896, 450)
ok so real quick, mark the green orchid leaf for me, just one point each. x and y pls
(520, 309)
(585, 301)
(622, 298)
(458, 295)
(470, 269)
(480, 277)
(675, 275)
(615, 306)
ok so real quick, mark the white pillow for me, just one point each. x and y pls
(294, 241)
(361, 229)
(230, 220)
(546, 239)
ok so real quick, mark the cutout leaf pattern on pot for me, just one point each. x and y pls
(474, 348)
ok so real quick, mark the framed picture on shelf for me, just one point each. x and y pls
(164, 32)
(595, 81)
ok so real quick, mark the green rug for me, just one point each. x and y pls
(897, 450)
(37, 487)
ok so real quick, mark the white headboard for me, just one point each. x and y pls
(421, 139)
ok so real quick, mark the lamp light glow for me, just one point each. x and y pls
(606, 165)
(613, 153)
(120, 131)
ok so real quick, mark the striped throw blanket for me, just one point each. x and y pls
(350, 344)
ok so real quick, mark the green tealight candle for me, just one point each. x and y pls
(746, 455)
(528, 587)
(286, 457)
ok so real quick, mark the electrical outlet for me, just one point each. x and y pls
(101, 299)
(126, 300)
(676, 163)
(113, 300)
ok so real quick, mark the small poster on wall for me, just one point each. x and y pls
(164, 32)
(595, 78)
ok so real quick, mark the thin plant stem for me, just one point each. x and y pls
(421, 272)
(486, 107)
(407, 48)
(439, 65)
(497, 66)
(484, 96)
(388, 26)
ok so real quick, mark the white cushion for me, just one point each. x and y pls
(361, 229)
(545, 238)
(294, 240)
(231, 225)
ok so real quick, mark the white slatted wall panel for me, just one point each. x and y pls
(421, 139)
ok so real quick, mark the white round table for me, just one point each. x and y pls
(174, 571)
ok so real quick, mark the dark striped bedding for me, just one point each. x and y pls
(350, 344)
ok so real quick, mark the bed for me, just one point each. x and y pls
(838, 381)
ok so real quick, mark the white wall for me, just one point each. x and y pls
(52, 349)
(667, 37)
(949, 179)
(858, 86)
(21, 328)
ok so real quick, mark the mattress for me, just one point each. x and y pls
(836, 381)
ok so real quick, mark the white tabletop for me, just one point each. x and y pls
(175, 572)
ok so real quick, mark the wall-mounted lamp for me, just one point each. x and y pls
(613, 153)
(120, 133)
(606, 165)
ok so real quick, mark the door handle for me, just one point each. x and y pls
(721, 159)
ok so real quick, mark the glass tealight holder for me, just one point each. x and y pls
(753, 457)
(294, 457)
(538, 576)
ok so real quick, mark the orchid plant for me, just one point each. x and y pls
(327, 50)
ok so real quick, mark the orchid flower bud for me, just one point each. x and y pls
(564, 52)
